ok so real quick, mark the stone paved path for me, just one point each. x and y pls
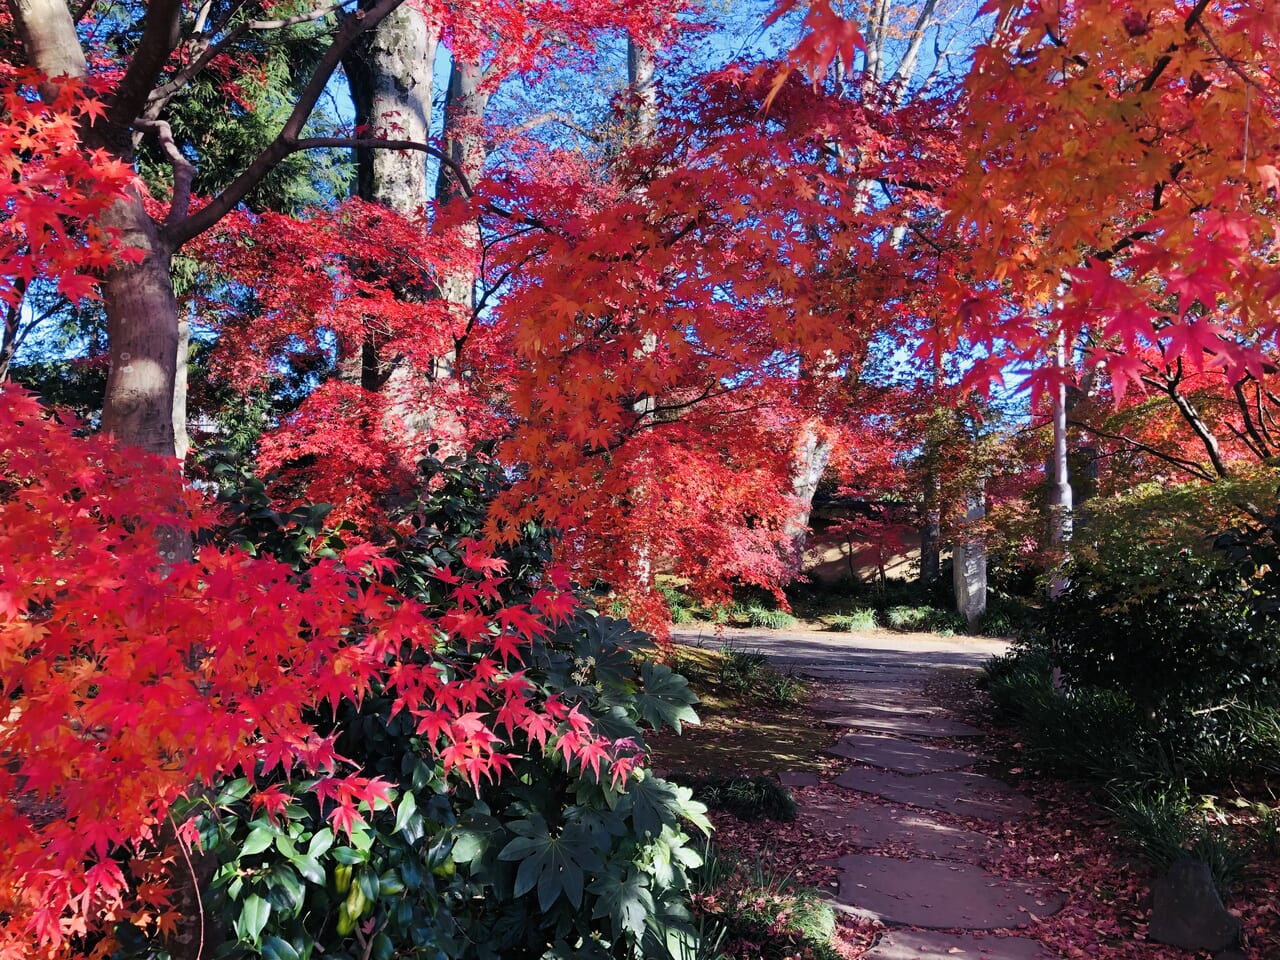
(919, 874)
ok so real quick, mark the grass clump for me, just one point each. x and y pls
(759, 616)
(1166, 826)
(857, 621)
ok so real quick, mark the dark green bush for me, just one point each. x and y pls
(1154, 613)
(747, 798)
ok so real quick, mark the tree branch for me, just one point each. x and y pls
(160, 37)
(361, 20)
(1190, 466)
(184, 171)
(1165, 59)
(317, 143)
(184, 76)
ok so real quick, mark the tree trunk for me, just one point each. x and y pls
(1060, 500)
(143, 337)
(391, 73)
(813, 453)
(642, 113)
(464, 134)
(969, 567)
(931, 531)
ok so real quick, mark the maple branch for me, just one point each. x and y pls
(1231, 64)
(1190, 466)
(1168, 385)
(1259, 444)
(12, 318)
(1166, 58)
(195, 885)
(539, 119)
(361, 20)
(184, 170)
(316, 143)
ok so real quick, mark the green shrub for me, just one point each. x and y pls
(546, 862)
(1084, 732)
(1153, 612)
(747, 798)
(855, 622)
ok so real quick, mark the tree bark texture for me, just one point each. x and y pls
(391, 72)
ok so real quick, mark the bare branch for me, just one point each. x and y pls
(379, 143)
(539, 119)
(211, 50)
(184, 171)
(160, 37)
(316, 13)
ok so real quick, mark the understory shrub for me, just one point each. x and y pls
(1154, 612)
(747, 798)
(1150, 772)
(544, 861)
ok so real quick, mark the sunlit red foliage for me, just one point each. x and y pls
(132, 675)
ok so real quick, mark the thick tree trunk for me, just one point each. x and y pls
(391, 73)
(143, 335)
(49, 40)
(642, 124)
(642, 113)
(969, 566)
(813, 453)
(464, 133)
(931, 531)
